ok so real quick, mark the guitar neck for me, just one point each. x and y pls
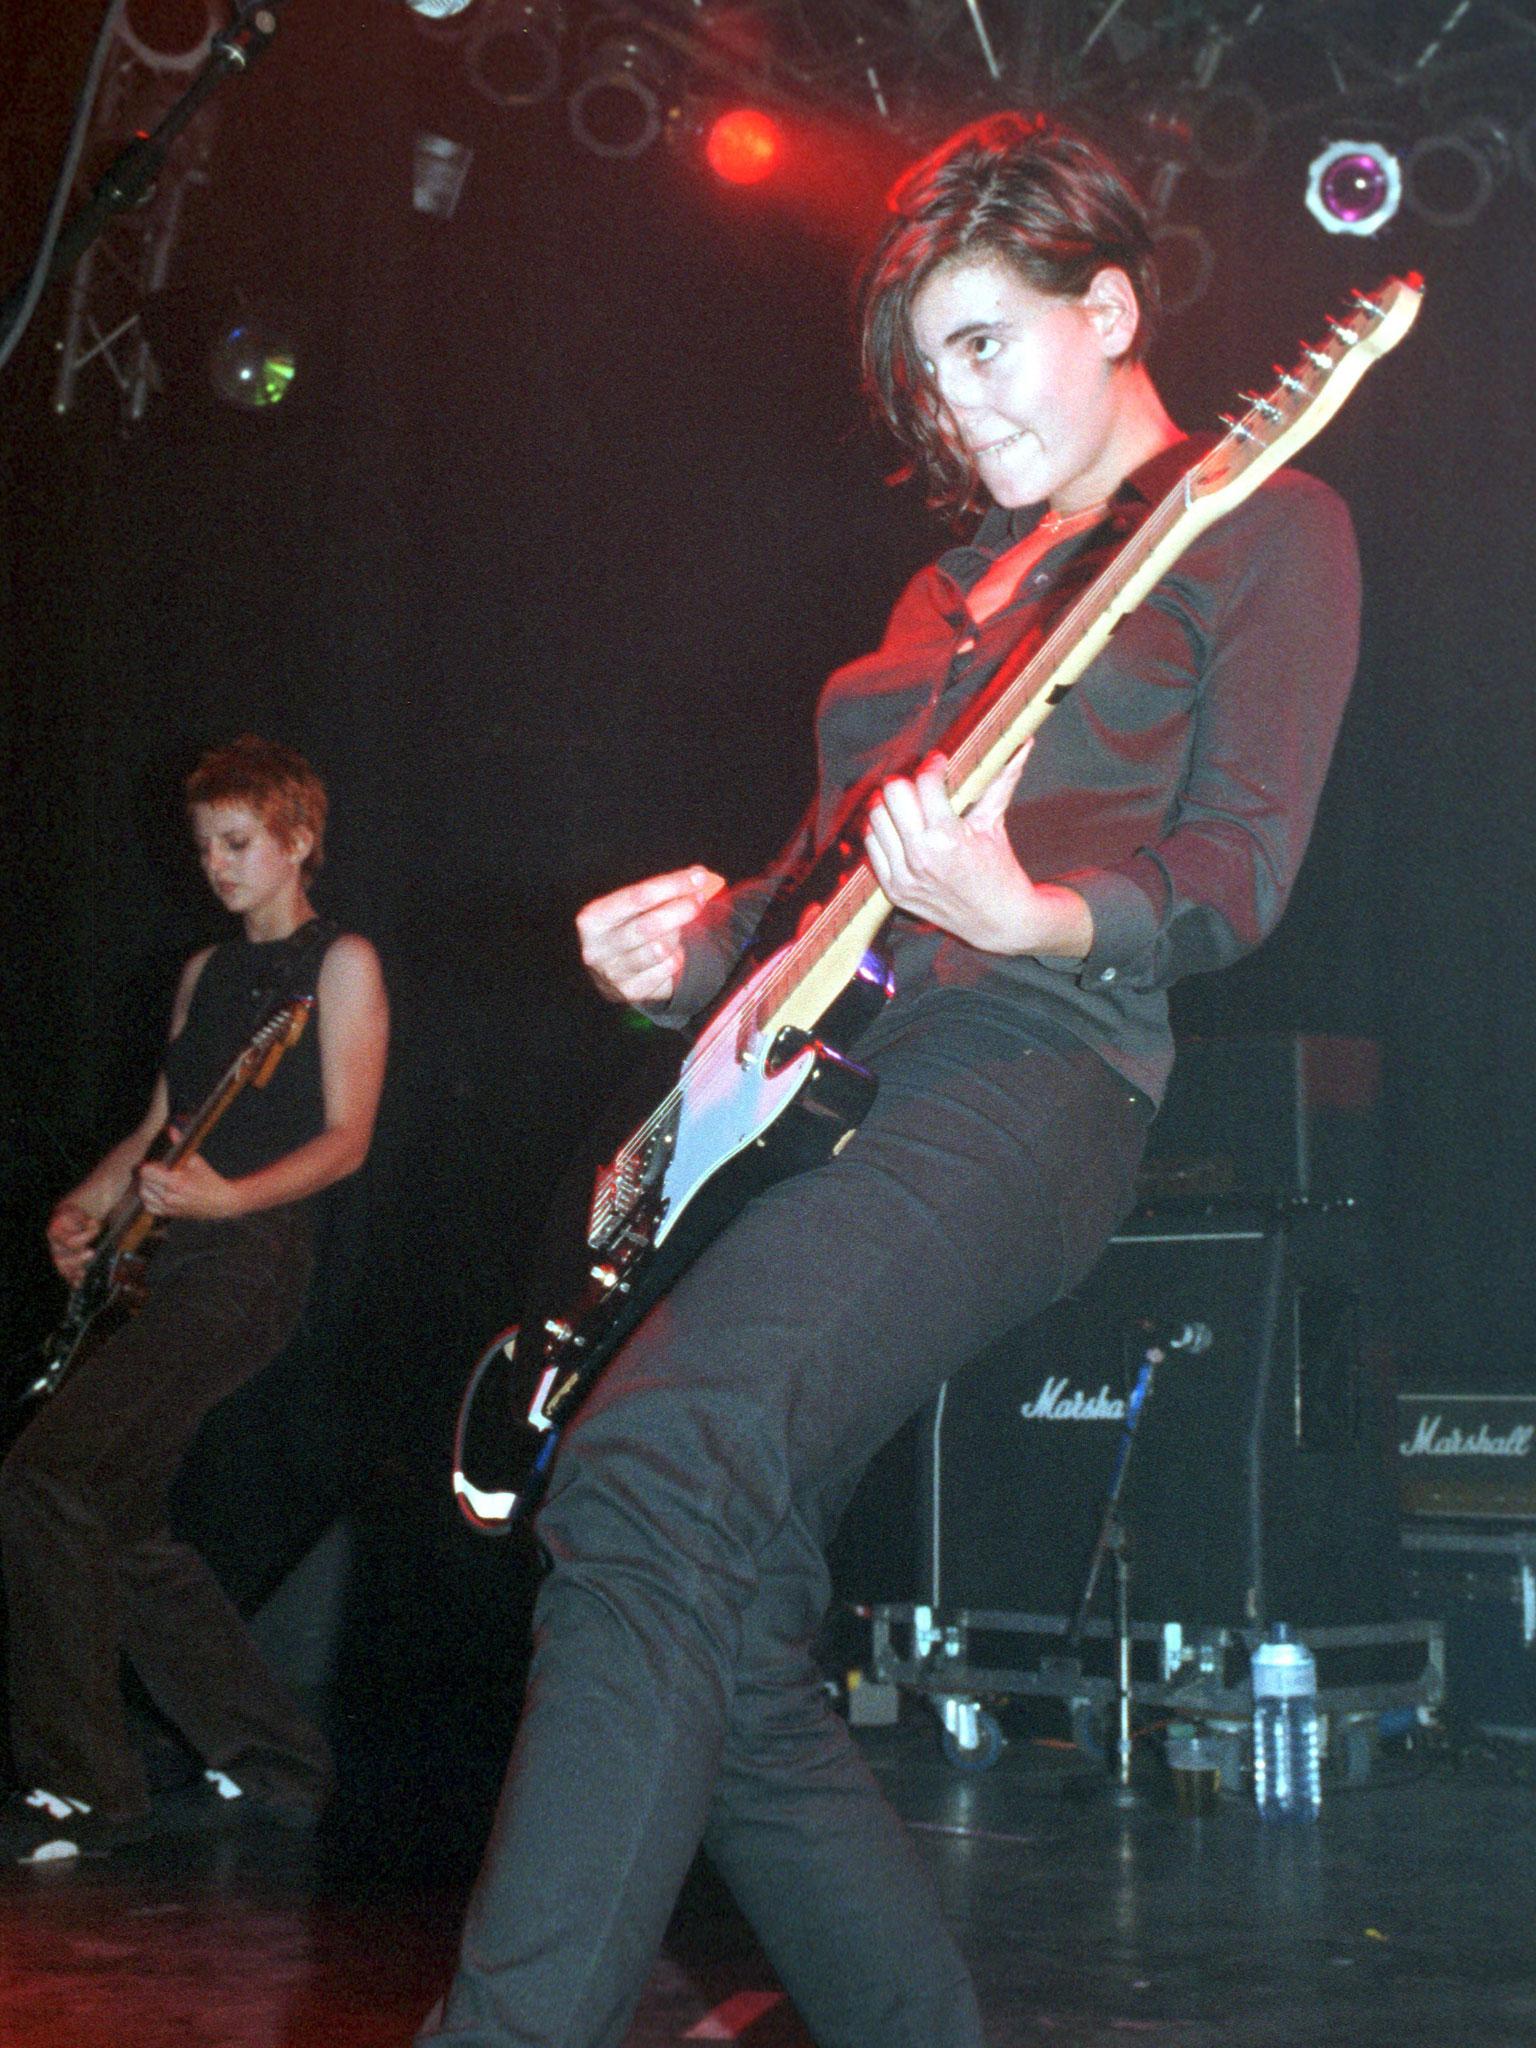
(1028, 687)
(136, 1223)
(818, 965)
(129, 1222)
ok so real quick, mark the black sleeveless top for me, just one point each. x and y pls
(239, 984)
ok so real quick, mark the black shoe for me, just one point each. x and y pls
(45, 1827)
(219, 1799)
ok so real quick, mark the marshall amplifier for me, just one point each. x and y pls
(1258, 1487)
(1468, 1455)
(1481, 1583)
(1266, 1118)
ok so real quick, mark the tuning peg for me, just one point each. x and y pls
(1340, 332)
(1319, 358)
(1239, 427)
(1366, 305)
(1287, 380)
(1261, 406)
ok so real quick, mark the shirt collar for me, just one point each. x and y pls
(999, 528)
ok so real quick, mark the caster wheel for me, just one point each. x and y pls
(979, 1755)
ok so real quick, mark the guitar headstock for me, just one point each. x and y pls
(275, 1035)
(1275, 424)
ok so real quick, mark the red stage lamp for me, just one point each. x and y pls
(743, 146)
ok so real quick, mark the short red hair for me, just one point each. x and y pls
(275, 782)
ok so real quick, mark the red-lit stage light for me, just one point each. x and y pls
(744, 146)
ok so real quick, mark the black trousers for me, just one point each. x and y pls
(674, 1698)
(91, 1567)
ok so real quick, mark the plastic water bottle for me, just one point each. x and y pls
(1287, 1765)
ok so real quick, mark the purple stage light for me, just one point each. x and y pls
(1354, 188)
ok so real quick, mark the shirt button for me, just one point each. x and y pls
(964, 646)
(1108, 974)
(1039, 581)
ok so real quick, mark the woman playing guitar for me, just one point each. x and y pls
(1153, 830)
(91, 1568)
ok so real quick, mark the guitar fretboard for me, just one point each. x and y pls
(813, 970)
(1026, 688)
(801, 982)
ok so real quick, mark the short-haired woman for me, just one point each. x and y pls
(92, 1570)
(1153, 829)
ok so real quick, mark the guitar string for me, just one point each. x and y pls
(840, 911)
(1007, 708)
(718, 1048)
(835, 918)
(1004, 712)
(838, 914)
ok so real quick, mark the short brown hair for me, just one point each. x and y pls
(275, 782)
(1019, 187)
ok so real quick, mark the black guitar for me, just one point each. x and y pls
(762, 1091)
(112, 1285)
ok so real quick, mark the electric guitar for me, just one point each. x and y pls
(763, 1092)
(113, 1283)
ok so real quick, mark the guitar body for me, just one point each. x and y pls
(113, 1284)
(719, 1148)
(111, 1291)
(762, 1093)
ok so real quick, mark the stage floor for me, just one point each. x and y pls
(1403, 1920)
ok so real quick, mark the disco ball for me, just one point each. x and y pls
(252, 365)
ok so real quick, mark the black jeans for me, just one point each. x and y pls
(91, 1567)
(674, 1697)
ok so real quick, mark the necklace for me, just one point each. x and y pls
(1054, 523)
(998, 585)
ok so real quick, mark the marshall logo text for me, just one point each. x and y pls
(1432, 1439)
(1054, 1403)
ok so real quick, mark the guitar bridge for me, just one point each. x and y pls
(625, 1186)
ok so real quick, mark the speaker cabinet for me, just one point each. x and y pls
(1258, 1487)
(1268, 1117)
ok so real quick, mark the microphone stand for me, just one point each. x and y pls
(130, 177)
(1111, 1542)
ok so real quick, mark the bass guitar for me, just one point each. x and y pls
(112, 1285)
(762, 1091)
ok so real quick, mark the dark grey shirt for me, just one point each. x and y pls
(1174, 786)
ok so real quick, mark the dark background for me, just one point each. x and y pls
(542, 562)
